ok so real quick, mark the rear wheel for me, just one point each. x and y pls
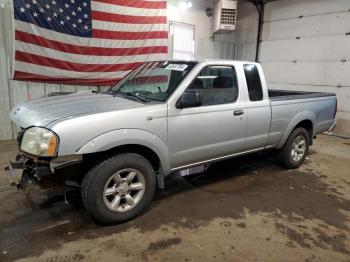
(295, 149)
(118, 189)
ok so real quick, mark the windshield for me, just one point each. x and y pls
(154, 80)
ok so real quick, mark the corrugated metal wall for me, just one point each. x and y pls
(5, 59)
(208, 49)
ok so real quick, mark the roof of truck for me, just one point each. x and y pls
(210, 60)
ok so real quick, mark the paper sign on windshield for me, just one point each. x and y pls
(177, 67)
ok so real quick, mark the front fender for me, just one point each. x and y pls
(121, 137)
(305, 115)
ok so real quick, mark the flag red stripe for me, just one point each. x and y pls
(150, 79)
(105, 34)
(76, 81)
(136, 3)
(128, 19)
(106, 81)
(77, 67)
(85, 50)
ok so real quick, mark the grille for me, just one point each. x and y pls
(228, 16)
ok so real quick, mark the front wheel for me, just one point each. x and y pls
(118, 189)
(295, 150)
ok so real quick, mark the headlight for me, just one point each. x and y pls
(39, 141)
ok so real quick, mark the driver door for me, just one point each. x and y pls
(213, 130)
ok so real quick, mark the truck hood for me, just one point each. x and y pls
(43, 111)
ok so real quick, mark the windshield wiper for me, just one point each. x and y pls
(142, 99)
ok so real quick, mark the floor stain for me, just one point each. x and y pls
(163, 244)
(242, 225)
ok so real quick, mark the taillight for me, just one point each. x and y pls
(336, 107)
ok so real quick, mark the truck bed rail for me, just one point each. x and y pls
(276, 95)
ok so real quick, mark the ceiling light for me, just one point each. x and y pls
(183, 6)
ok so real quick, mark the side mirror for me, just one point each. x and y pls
(190, 98)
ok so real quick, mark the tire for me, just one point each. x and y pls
(291, 160)
(107, 192)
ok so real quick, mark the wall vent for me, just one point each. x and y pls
(225, 16)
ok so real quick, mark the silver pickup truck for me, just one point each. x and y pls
(163, 117)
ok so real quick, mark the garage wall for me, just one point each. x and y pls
(306, 46)
(238, 45)
(5, 125)
(194, 16)
(222, 46)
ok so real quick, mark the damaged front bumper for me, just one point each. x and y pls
(45, 172)
(33, 170)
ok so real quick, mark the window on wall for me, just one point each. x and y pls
(253, 82)
(183, 40)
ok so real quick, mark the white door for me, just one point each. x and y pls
(183, 36)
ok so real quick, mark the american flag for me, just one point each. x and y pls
(87, 42)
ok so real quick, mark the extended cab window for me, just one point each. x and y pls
(253, 82)
(217, 85)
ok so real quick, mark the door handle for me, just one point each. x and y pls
(238, 112)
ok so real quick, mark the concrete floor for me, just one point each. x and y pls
(246, 209)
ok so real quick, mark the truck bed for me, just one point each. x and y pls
(277, 95)
(294, 106)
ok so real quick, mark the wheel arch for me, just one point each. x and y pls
(136, 141)
(306, 120)
(141, 150)
(309, 126)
